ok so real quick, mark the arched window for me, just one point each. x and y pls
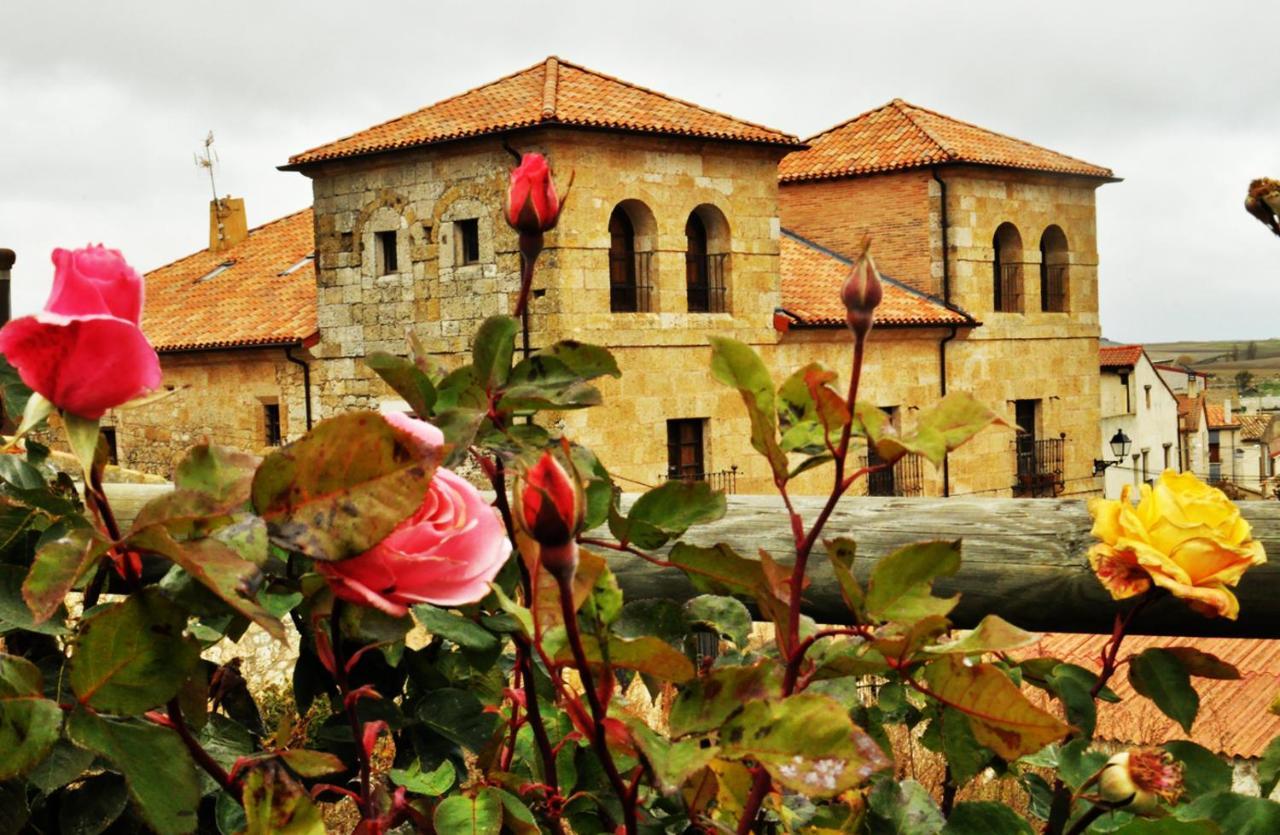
(1007, 270)
(1054, 287)
(706, 260)
(631, 227)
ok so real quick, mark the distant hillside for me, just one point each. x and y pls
(1224, 359)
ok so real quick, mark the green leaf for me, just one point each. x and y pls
(738, 365)
(216, 567)
(82, 437)
(463, 631)
(1269, 768)
(479, 815)
(956, 418)
(491, 352)
(1160, 676)
(1076, 763)
(985, 818)
(718, 569)
(311, 763)
(1166, 826)
(457, 715)
(34, 412)
(807, 743)
(426, 783)
(1233, 813)
(14, 613)
(1203, 664)
(726, 615)
(64, 763)
(901, 583)
(667, 511)
(459, 427)
(647, 655)
(1001, 716)
(902, 808)
(541, 382)
(132, 656)
(1073, 686)
(155, 764)
(516, 816)
(705, 703)
(221, 473)
(406, 379)
(58, 566)
(92, 806)
(343, 487)
(274, 804)
(653, 616)
(672, 762)
(586, 361)
(1204, 772)
(13, 392)
(29, 723)
(992, 634)
(842, 552)
(965, 755)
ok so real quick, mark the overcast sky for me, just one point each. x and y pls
(102, 105)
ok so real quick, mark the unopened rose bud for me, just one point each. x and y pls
(1137, 780)
(551, 512)
(861, 293)
(532, 208)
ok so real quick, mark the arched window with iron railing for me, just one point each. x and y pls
(1007, 295)
(1055, 294)
(630, 258)
(706, 260)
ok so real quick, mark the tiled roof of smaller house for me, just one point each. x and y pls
(551, 92)
(192, 304)
(1254, 427)
(1119, 356)
(1233, 718)
(1181, 369)
(811, 281)
(1217, 417)
(901, 135)
(1189, 409)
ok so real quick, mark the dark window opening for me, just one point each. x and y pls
(271, 423)
(1053, 271)
(1007, 270)
(697, 267)
(881, 482)
(1038, 467)
(685, 453)
(113, 451)
(626, 294)
(386, 252)
(467, 233)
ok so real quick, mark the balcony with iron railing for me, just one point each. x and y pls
(1008, 290)
(1053, 288)
(1039, 466)
(706, 285)
(904, 479)
(726, 480)
(630, 282)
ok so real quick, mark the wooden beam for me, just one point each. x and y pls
(1023, 559)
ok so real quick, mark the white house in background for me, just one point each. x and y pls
(1137, 401)
(1258, 433)
(1182, 380)
(1193, 434)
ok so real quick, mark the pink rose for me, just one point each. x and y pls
(446, 553)
(86, 352)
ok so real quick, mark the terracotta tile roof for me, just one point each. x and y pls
(1217, 417)
(1255, 426)
(900, 135)
(1189, 409)
(811, 281)
(249, 303)
(1233, 718)
(551, 92)
(1181, 369)
(1119, 356)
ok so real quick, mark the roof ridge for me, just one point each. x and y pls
(550, 87)
(404, 116)
(904, 107)
(249, 232)
(675, 99)
(849, 121)
(814, 245)
(1007, 136)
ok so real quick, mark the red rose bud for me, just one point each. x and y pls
(551, 512)
(532, 204)
(861, 293)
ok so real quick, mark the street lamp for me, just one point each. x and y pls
(1120, 444)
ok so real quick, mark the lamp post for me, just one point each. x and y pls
(1120, 444)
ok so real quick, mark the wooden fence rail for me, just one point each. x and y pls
(1023, 559)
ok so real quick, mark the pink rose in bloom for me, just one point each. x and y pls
(85, 352)
(446, 553)
(532, 203)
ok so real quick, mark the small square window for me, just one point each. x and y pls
(386, 253)
(466, 242)
(113, 451)
(271, 423)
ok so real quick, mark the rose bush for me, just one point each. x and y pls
(1183, 535)
(86, 352)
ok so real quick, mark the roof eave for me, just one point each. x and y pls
(848, 174)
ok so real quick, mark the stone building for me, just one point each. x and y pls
(686, 223)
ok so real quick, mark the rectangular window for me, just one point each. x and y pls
(1167, 448)
(685, 453)
(1215, 447)
(386, 253)
(271, 423)
(882, 482)
(1146, 473)
(113, 452)
(466, 234)
(1147, 389)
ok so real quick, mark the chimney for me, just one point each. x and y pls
(7, 259)
(227, 225)
(1226, 411)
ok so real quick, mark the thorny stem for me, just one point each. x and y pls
(627, 549)
(367, 811)
(197, 751)
(598, 710)
(96, 498)
(804, 546)
(1083, 822)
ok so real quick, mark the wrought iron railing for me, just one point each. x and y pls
(905, 478)
(1009, 289)
(710, 296)
(1039, 467)
(631, 296)
(726, 480)
(1053, 288)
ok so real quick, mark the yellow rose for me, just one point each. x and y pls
(1182, 535)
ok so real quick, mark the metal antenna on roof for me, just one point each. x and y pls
(206, 160)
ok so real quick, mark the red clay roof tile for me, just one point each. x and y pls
(551, 92)
(252, 302)
(900, 135)
(1119, 356)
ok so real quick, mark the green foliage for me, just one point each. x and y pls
(901, 587)
(985, 818)
(29, 723)
(1160, 676)
(738, 366)
(667, 511)
(902, 808)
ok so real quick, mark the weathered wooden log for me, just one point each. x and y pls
(1024, 559)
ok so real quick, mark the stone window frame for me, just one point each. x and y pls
(719, 244)
(263, 403)
(1055, 251)
(1008, 270)
(465, 208)
(644, 237)
(384, 219)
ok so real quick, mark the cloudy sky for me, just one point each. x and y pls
(102, 105)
